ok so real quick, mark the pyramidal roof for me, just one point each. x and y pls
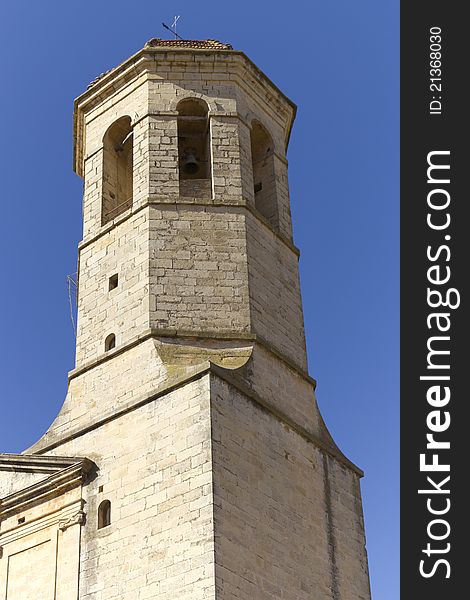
(175, 45)
(193, 44)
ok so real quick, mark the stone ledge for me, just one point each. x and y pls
(66, 473)
(164, 333)
(30, 463)
(191, 335)
(174, 202)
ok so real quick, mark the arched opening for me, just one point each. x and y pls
(110, 342)
(264, 179)
(117, 169)
(194, 149)
(104, 514)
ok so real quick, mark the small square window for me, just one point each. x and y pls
(113, 282)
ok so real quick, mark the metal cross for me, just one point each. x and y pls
(173, 25)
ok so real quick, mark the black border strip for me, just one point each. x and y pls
(433, 134)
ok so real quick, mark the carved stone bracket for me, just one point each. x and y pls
(77, 519)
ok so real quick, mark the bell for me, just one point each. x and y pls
(190, 163)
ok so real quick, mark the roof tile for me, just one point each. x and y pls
(195, 44)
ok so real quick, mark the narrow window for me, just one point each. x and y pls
(110, 342)
(264, 180)
(113, 281)
(194, 149)
(117, 170)
(104, 514)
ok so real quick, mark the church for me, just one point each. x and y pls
(189, 460)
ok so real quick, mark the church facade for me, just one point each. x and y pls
(189, 460)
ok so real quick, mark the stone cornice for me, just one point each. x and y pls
(30, 463)
(177, 201)
(156, 333)
(66, 473)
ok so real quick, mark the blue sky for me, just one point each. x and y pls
(339, 62)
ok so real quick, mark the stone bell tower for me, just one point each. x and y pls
(189, 460)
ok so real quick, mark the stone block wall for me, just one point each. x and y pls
(213, 495)
(285, 528)
(154, 466)
(198, 270)
(163, 156)
(195, 188)
(123, 311)
(129, 101)
(191, 270)
(222, 485)
(40, 549)
(276, 305)
(347, 532)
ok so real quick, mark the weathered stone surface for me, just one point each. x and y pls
(209, 470)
